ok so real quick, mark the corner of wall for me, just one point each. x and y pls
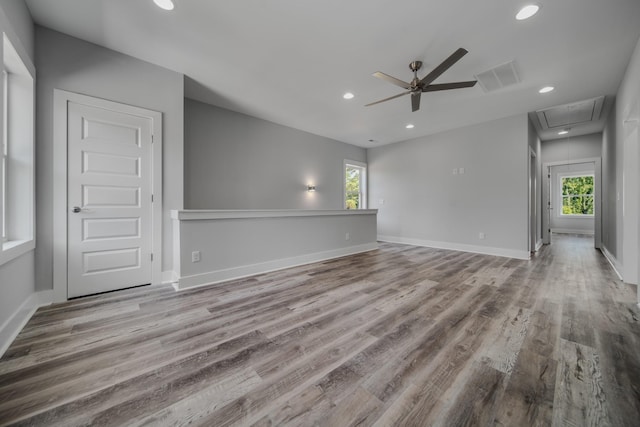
(12, 327)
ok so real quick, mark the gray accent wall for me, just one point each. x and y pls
(235, 161)
(418, 197)
(74, 65)
(17, 281)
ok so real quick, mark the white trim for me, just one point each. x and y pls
(192, 215)
(12, 249)
(60, 100)
(14, 324)
(212, 277)
(539, 244)
(486, 250)
(169, 277)
(612, 260)
(588, 232)
(532, 226)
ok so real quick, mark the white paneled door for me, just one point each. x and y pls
(109, 194)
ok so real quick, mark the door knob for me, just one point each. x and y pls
(77, 209)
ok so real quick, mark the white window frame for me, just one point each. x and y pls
(562, 175)
(17, 174)
(363, 182)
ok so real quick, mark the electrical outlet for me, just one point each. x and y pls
(455, 171)
(481, 236)
(346, 236)
(381, 201)
(461, 171)
(195, 256)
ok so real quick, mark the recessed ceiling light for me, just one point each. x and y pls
(563, 132)
(164, 4)
(348, 95)
(527, 12)
(546, 89)
(409, 126)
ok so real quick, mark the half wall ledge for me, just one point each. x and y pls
(213, 246)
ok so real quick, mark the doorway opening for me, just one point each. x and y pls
(571, 199)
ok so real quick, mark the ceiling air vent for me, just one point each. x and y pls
(571, 114)
(498, 77)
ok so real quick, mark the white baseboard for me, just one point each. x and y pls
(572, 231)
(169, 277)
(612, 260)
(12, 327)
(212, 277)
(486, 250)
(538, 245)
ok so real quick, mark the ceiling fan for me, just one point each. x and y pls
(417, 86)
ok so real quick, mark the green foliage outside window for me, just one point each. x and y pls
(352, 188)
(577, 195)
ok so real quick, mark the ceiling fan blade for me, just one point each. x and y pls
(444, 66)
(392, 80)
(447, 86)
(388, 99)
(415, 101)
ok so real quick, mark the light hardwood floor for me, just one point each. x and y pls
(400, 336)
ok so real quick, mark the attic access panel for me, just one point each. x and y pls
(571, 114)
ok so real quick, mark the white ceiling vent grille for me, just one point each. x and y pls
(498, 77)
(571, 114)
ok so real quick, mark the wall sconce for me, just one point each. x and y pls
(311, 188)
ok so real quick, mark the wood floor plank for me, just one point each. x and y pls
(579, 394)
(475, 404)
(400, 336)
(528, 399)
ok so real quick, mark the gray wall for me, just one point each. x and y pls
(235, 161)
(609, 187)
(573, 148)
(70, 64)
(17, 276)
(424, 200)
(627, 162)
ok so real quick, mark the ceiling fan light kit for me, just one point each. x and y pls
(418, 86)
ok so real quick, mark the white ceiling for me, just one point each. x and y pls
(290, 61)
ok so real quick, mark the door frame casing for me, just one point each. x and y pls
(533, 201)
(60, 209)
(597, 163)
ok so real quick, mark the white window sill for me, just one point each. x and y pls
(15, 248)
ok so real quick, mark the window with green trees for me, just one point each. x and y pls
(577, 195)
(355, 180)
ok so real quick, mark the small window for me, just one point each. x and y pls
(577, 195)
(355, 185)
